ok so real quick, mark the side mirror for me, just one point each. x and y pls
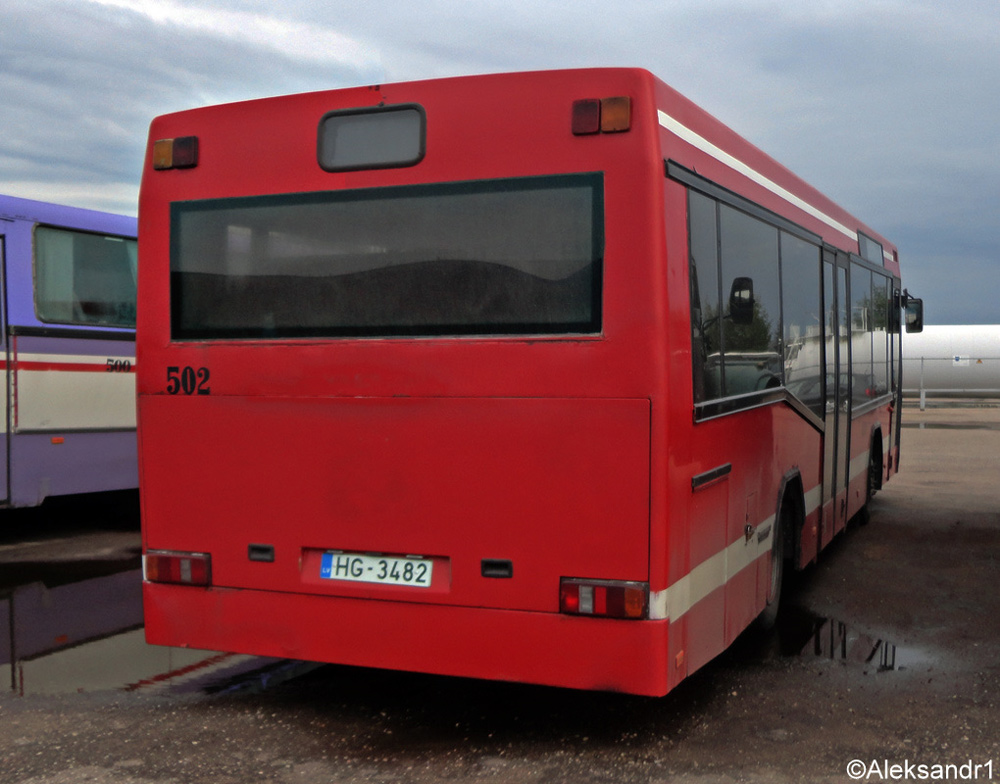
(741, 301)
(914, 315)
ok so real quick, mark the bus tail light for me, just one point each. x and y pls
(604, 598)
(177, 568)
(179, 153)
(602, 115)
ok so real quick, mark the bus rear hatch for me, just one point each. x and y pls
(483, 502)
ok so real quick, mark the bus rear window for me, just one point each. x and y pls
(84, 279)
(518, 256)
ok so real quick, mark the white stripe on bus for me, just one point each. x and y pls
(718, 570)
(703, 144)
(55, 400)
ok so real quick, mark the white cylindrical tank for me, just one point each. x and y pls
(960, 360)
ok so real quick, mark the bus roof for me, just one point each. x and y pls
(17, 208)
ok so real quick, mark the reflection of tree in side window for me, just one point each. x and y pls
(758, 335)
(877, 310)
(868, 314)
(709, 324)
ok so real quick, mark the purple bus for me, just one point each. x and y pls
(67, 346)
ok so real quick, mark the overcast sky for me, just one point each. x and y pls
(891, 107)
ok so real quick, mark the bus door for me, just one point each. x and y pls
(836, 458)
(836, 452)
(5, 382)
(843, 391)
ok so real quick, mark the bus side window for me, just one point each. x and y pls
(83, 278)
(751, 321)
(706, 326)
(803, 323)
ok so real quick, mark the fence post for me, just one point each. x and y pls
(923, 392)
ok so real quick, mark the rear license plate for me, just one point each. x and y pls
(412, 572)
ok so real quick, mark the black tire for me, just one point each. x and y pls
(874, 481)
(874, 470)
(769, 615)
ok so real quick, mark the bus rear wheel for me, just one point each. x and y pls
(874, 470)
(769, 616)
(874, 479)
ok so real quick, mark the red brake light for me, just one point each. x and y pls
(185, 152)
(586, 116)
(604, 598)
(177, 568)
(569, 597)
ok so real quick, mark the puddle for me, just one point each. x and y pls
(87, 636)
(124, 662)
(39, 620)
(803, 633)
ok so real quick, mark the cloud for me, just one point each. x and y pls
(82, 80)
(316, 43)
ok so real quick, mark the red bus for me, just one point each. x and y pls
(534, 377)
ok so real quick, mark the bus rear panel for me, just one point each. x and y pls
(416, 388)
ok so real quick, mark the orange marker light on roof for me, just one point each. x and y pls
(163, 154)
(616, 114)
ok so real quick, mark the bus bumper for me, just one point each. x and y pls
(505, 645)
